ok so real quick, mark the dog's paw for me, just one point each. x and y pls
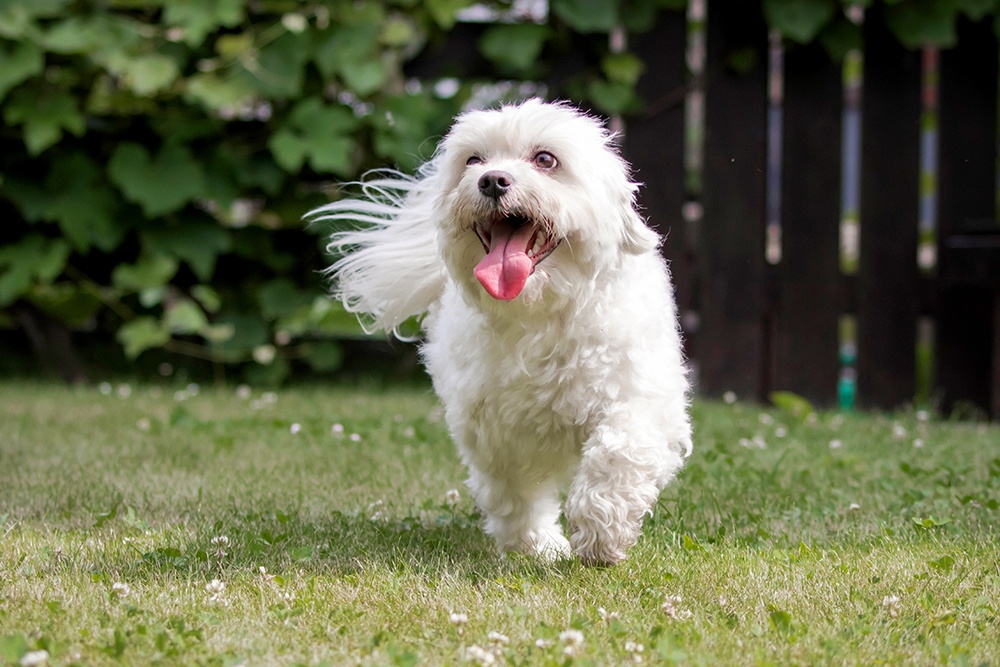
(594, 551)
(551, 546)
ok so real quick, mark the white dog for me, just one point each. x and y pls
(550, 325)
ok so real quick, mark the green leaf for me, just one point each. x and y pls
(942, 564)
(976, 9)
(218, 93)
(197, 243)
(792, 403)
(279, 69)
(32, 259)
(779, 620)
(799, 20)
(840, 37)
(153, 270)
(323, 357)
(159, 185)
(319, 133)
(200, 17)
(345, 46)
(612, 97)
(82, 203)
(919, 23)
(12, 647)
(444, 11)
(44, 117)
(18, 63)
(513, 47)
(141, 334)
(587, 16)
(150, 73)
(17, 19)
(402, 129)
(623, 68)
(184, 317)
(280, 297)
(66, 302)
(207, 297)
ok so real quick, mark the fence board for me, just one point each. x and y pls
(888, 282)
(731, 343)
(808, 289)
(654, 144)
(964, 341)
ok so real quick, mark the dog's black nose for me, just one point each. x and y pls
(494, 184)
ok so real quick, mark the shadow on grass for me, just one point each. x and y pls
(435, 543)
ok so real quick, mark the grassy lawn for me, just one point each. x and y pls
(316, 526)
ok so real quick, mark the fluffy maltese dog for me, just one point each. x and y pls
(549, 323)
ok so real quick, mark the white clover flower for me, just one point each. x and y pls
(124, 390)
(243, 391)
(120, 589)
(607, 616)
(337, 430)
(409, 432)
(143, 424)
(105, 389)
(215, 588)
(480, 656)
(836, 444)
(765, 419)
(459, 621)
(636, 650)
(295, 428)
(918, 443)
(672, 608)
(898, 431)
(355, 437)
(34, 658)
(780, 432)
(543, 643)
(923, 415)
(498, 638)
(729, 397)
(221, 543)
(452, 497)
(572, 642)
(891, 605)
(854, 506)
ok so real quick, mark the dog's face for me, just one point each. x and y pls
(533, 195)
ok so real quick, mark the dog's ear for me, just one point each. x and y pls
(637, 238)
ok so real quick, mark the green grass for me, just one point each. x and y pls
(798, 551)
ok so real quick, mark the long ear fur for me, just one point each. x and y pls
(389, 268)
(637, 238)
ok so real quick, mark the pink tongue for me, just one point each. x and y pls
(506, 267)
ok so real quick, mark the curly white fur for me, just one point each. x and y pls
(577, 378)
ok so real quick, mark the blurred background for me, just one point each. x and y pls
(824, 174)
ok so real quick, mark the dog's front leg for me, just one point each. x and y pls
(520, 517)
(621, 473)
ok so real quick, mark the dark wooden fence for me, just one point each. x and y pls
(753, 327)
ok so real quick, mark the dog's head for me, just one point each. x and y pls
(534, 194)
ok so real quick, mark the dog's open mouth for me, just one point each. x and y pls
(514, 245)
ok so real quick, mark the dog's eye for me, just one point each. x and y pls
(544, 160)
(475, 159)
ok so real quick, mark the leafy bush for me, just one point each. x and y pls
(157, 156)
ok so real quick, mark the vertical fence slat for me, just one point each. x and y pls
(808, 290)
(731, 342)
(966, 198)
(654, 145)
(888, 281)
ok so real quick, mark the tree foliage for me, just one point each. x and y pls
(157, 156)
